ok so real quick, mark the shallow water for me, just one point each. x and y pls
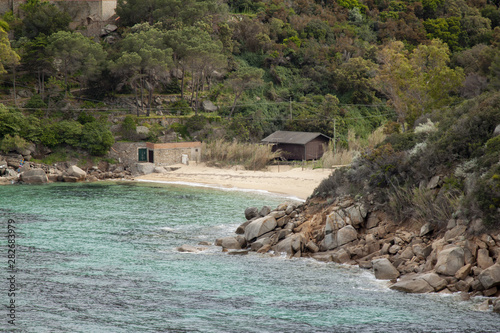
(101, 258)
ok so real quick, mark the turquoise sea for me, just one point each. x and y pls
(102, 257)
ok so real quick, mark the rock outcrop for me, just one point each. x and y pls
(34, 176)
(416, 257)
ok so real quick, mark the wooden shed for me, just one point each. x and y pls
(298, 145)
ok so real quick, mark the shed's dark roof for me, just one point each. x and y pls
(300, 138)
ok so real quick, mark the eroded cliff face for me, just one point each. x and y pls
(415, 256)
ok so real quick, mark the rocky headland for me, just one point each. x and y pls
(414, 257)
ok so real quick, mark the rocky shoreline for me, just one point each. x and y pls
(415, 257)
(14, 169)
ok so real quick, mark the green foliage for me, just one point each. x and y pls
(96, 138)
(196, 123)
(487, 196)
(129, 128)
(35, 102)
(446, 29)
(403, 141)
(154, 132)
(12, 143)
(8, 57)
(180, 129)
(41, 17)
(68, 132)
(84, 117)
(180, 107)
(350, 4)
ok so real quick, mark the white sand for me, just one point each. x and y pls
(297, 182)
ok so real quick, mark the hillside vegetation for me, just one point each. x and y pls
(429, 71)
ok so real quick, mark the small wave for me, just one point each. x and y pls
(220, 187)
(168, 229)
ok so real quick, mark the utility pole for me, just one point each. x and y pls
(291, 108)
(334, 136)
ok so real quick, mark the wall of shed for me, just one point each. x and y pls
(290, 151)
(314, 148)
(126, 152)
(164, 157)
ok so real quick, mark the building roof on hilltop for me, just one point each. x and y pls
(290, 137)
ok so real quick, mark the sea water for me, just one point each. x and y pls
(102, 257)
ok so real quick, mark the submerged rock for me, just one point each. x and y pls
(188, 248)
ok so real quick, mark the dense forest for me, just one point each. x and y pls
(267, 65)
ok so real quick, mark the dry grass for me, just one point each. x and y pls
(423, 204)
(344, 156)
(223, 153)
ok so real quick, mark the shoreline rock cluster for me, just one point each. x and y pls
(415, 257)
(14, 169)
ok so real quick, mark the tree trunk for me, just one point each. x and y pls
(136, 100)
(196, 99)
(142, 93)
(14, 85)
(234, 104)
(182, 83)
(150, 97)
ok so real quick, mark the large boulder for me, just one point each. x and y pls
(34, 176)
(435, 281)
(384, 270)
(145, 168)
(259, 227)
(483, 259)
(75, 171)
(338, 238)
(230, 243)
(415, 285)
(208, 106)
(490, 277)
(346, 234)
(142, 132)
(290, 245)
(450, 260)
(251, 212)
(335, 221)
(356, 214)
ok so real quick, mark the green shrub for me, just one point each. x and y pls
(196, 123)
(96, 138)
(403, 141)
(84, 118)
(12, 143)
(180, 129)
(487, 196)
(35, 102)
(180, 107)
(129, 128)
(68, 132)
(154, 132)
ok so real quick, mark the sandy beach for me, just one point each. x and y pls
(286, 180)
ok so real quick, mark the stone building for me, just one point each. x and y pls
(160, 154)
(163, 154)
(91, 14)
